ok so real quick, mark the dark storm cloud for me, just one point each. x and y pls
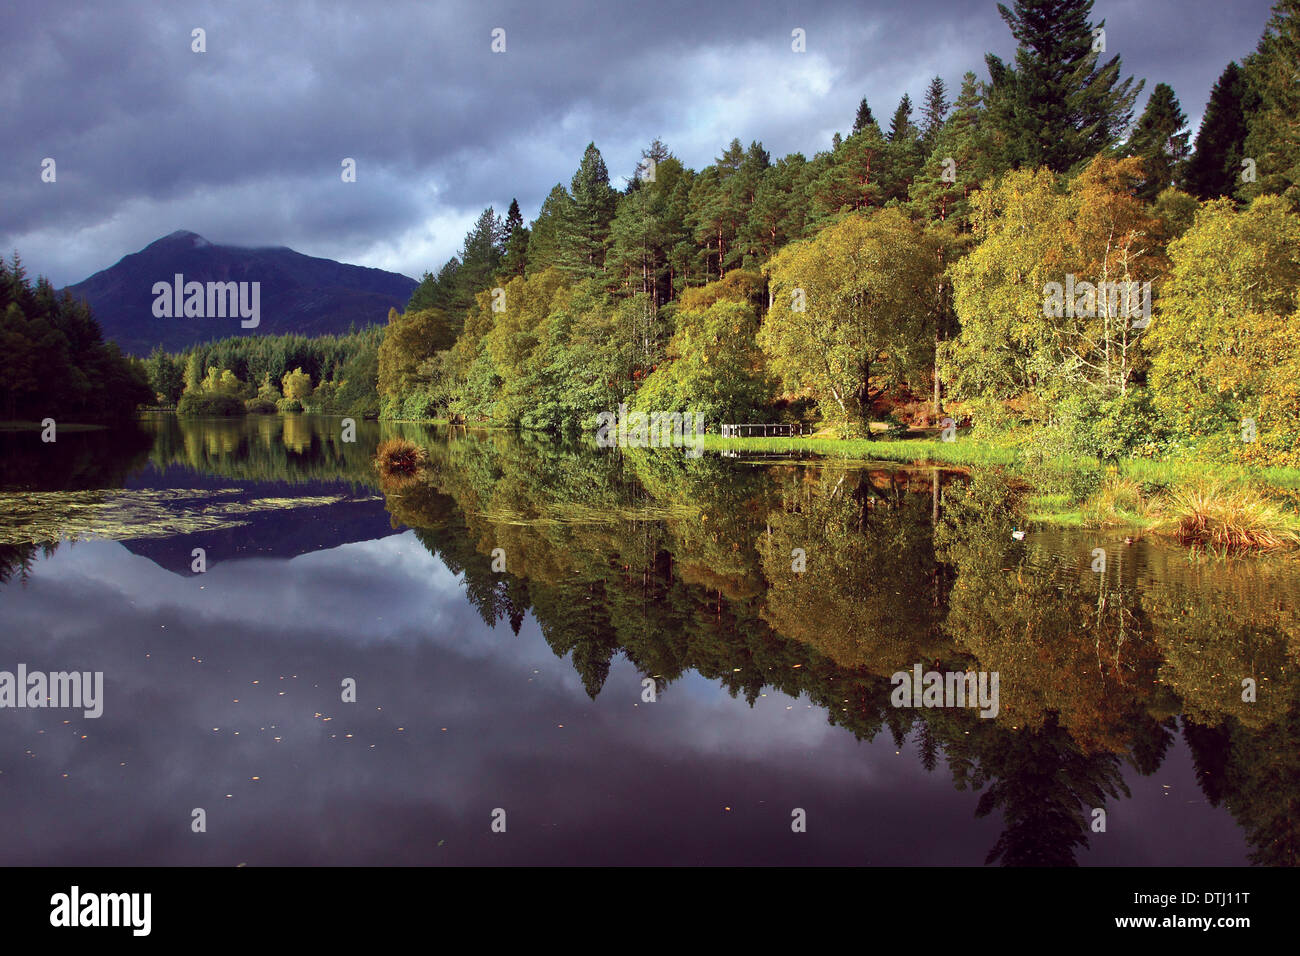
(243, 143)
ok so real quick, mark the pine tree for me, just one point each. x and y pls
(852, 177)
(719, 202)
(900, 126)
(1215, 165)
(1057, 107)
(193, 373)
(514, 253)
(651, 157)
(933, 113)
(776, 216)
(864, 118)
(481, 256)
(514, 222)
(902, 154)
(436, 291)
(744, 186)
(547, 233)
(1273, 137)
(582, 250)
(959, 163)
(1160, 141)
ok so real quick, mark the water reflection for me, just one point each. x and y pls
(1119, 690)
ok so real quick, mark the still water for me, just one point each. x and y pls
(648, 680)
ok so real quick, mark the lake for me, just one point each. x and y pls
(537, 651)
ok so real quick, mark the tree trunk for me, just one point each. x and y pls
(938, 403)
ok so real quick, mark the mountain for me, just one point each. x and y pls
(355, 514)
(297, 294)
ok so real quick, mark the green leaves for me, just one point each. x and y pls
(853, 312)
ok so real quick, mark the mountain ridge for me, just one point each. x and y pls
(299, 294)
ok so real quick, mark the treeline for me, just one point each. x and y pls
(54, 362)
(332, 374)
(907, 263)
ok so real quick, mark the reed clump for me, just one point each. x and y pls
(1212, 514)
(399, 457)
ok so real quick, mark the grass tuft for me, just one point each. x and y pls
(1119, 501)
(1211, 514)
(399, 457)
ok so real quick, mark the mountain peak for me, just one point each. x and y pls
(194, 238)
(298, 294)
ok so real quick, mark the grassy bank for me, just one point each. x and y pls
(910, 450)
(1214, 504)
(964, 452)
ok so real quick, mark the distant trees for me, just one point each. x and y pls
(54, 362)
(251, 369)
(166, 376)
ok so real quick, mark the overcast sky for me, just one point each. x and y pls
(243, 143)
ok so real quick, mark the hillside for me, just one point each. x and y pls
(297, 293)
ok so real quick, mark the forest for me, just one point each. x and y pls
(904, 274)
(54, 362)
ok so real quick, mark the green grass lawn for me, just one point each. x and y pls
(912, 450)
(1132, 493)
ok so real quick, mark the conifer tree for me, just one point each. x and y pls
(582, 249)
(902, 154)
(864, 118)
(1273, 136)
(1058, 106)
(548, 230)
(901, 126)
(1215, 164)
(1160, 141)
(933, 113)
(514, 253)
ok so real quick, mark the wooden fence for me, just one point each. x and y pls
(764, 431)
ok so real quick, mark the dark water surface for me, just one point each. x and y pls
(524, 689)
